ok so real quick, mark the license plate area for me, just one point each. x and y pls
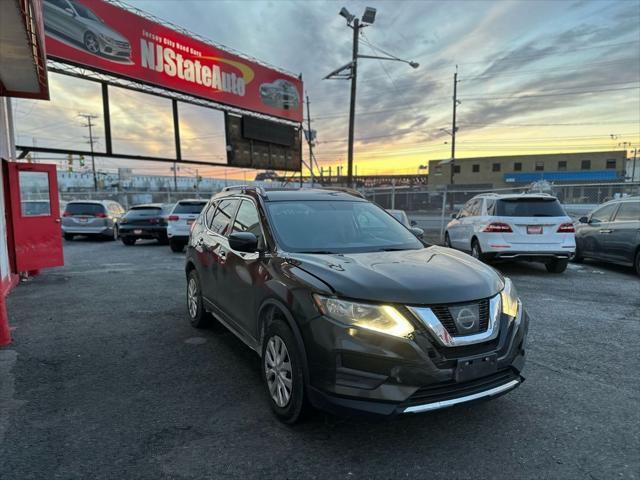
(137, 231)
(190, 221)
(471, 368)
(534, 229)
(83, 219)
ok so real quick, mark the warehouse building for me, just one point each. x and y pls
(520, 170)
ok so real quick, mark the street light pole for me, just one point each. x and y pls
(453, 126)
(352, 106)
(350, 72)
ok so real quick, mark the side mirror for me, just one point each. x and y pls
(70, 12)
(418, 232)
(413, 223)
(243, 242)
(583, 219)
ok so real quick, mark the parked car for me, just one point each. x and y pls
(78, 23)
(532, 227)
(98, 218)
(280, 94)
(402, 217)
(181, 217)
(347, 309)
(146, 221)
(611, 233)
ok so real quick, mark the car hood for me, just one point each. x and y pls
(413, 277)
(101, 28)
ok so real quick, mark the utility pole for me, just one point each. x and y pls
(175, 176)
(88, 117)
(453, 126)
(310, 140)
(352, 106)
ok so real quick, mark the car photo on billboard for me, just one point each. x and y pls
(71, 21)
(280, 94)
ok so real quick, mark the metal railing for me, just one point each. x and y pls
(431, 208)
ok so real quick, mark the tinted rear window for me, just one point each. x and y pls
(84, 208)
(144, 211)
(528, 207)
(189, 207)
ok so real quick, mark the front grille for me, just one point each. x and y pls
(124, 45)
(451, 390)
(445, 318)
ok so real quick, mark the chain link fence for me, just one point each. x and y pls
(431, 208)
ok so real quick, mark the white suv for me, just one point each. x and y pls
(184, 213)
(531, 227)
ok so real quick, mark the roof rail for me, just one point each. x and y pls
(347, 190)
(246, 188)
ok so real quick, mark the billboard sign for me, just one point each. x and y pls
(104, 37)
(257, 143)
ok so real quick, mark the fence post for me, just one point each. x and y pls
(444, 206)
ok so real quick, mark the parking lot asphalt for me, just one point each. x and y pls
(106, 379)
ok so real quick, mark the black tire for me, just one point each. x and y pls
(198, 316)
(637, 262)
(128, 240)
(557, 266)
(294, 409)
(68, 236)
(476, 251)
(176, 246)
(447, 240)
(114, 234)
(577, 257)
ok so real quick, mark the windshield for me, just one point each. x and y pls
(144, 211)
(84, 12)
(528, 207)
(189, 207)
(325, 226)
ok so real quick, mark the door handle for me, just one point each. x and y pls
(57, 220)
(606, 231)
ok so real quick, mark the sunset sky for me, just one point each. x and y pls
(535, 77)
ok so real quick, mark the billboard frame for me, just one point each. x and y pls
(105, 80)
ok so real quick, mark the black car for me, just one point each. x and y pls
(147, 221)
(611, 233)
(347, 309)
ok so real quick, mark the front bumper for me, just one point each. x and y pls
(378, 374)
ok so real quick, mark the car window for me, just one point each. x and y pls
(208, 215)
(628, 211)
(603, 214)
(474, 209)
(84, 12)
(247, 219)
(529, 207)
(189, 207)
(490, 206)
(321, 226)
(83, 209)
(58, 3)
(222, 218)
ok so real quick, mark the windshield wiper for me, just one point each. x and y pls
(392, 249)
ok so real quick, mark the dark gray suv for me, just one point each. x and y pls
(611, 233)
(347, 309)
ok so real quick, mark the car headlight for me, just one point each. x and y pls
(510, 300)
(379, 318)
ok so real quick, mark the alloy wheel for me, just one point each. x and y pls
(277, 365)
(192, 297)
(91, 42)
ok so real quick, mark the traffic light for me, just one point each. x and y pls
(70, 163)
(82, 160)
